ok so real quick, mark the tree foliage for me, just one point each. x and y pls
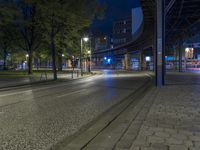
(43, 27)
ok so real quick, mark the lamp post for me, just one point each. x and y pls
(26, 62)
(90, 56)
(63, 62)
(84, 39)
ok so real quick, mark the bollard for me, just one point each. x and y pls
(77, 73)
(72, 74)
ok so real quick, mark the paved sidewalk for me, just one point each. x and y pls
(173, 122)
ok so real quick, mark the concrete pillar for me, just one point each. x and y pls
(141, 60)
(160, 43)
(180, 58)
(175, 58)
(127, 61)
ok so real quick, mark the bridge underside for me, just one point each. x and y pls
(182, 21)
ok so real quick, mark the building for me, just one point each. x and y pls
(101, 41)
(122, 31)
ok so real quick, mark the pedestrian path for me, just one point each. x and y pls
(173, 122)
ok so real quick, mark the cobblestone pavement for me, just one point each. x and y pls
(173, 122)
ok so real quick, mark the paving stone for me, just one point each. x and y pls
(177, 147)
(174, 141)
(179, 136)
(194, 138)
(156, 129)
(154, 139)
(135, 148)
(187, 133)
(171, 131)
(146, 132)
(194, 148)
(196, 143)
(188, 143)
(162, 134)
(140, 142)
(159, 146)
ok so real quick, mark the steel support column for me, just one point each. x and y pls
(160, 43)
(180, 57)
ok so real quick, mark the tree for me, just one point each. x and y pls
(29, 37)
(67, 17)
(6, 44)
(7, 14)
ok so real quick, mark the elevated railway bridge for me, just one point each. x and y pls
(165, 28)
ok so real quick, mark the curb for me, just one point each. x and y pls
(11, 87)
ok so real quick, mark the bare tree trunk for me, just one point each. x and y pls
(59, 63)
(4, 60)
(53, 50)
(30, 62)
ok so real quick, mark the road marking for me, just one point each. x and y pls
(79, 91)
(16, 93)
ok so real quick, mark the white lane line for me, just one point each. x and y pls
(75, 92)
(16, 93)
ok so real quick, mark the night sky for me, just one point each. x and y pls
(116, 9)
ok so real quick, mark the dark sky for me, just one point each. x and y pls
(116, 9)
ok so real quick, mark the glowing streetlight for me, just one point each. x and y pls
(84, 39)
(187, 50)
(89, 52)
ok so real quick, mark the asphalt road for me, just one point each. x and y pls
(37, 117)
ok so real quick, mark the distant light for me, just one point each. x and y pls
(187, 50)
(86, 39)
(105, 58)
(27, 55)
(63, 55)
(148, 58)
(109, 60)
(89, 52)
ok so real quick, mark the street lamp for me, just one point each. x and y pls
(84, 39)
